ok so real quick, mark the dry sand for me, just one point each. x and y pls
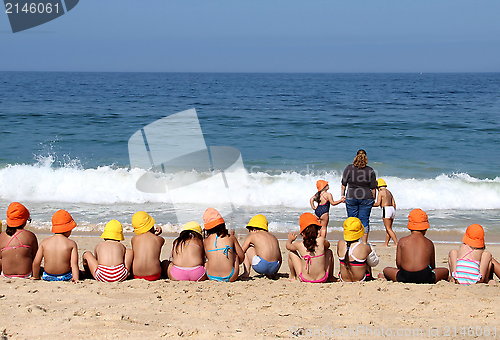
(258, 308)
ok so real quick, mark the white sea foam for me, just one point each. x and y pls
(109, 185)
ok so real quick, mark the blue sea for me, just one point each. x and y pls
(433, 137)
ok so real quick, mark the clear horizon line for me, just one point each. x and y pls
(257, 72)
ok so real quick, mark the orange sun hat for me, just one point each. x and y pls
(474, 236)
(321, 184)
(212, 218)
(62, 221)
(17, 215)
(306, 219)
(418, 220)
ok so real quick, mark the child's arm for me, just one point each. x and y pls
(75, 270)
(37, 261)
(289, 243)
(332, 201)
(311, 202)
(398, 256)
(394, 202)
(379, 200)
(239, 251)
(247, 243)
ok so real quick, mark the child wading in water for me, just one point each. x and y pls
(224, 253)
(311, 259)
(112, 261)
(60, 254)
(321, 202)
(386, 201)
(188, 255)
(262, 250)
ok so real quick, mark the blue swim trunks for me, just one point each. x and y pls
(63, 277)
(264, 267)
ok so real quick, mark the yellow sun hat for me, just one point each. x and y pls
(381, 182)
(113, 231)
(193, 226)
(353, 229)
(258, 221)
(142, 222)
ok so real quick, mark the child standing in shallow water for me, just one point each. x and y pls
(112, 260)
(262, 250)
(321, 202)
(59, 253)
(188, 255)
(386, 201)
(311, 259)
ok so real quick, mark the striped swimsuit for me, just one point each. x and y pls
(111, 273)
(467, 271)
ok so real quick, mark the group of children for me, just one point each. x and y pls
(214, 253)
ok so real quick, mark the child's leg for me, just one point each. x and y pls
(89, 264)
(236, 269)
(485, 267)
(390, 273)
(324, 219)
(389, 232)
(247, 264)
(496, 267)
(452, 262)
(295, 265)
(441, 274)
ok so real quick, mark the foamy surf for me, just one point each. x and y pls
(111, 185)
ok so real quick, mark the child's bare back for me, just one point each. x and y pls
(58, 252)
(110, 253)
(147, 249)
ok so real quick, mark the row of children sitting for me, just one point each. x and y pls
(216, 254)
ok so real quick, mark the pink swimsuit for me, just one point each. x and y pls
(187, 273)
(308, 258)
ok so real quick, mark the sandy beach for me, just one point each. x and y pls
(258, 308)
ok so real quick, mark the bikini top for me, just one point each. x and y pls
(225, 250)
(356, 261)
(20, 245)
(308, 259)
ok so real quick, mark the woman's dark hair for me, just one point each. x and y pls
(309, 236)
(184, 236)
(220, 230)
(12, 230)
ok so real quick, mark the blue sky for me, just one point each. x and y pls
(261, 36)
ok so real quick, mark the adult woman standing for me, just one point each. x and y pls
(361, 183)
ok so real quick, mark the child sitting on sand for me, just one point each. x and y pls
(386, 201)
(415, 255)
(224, 253)
(188, 255)
(18, 246)
(321, 202)
(356, 257)
(59, 253)
(471, 263)
(262, 250)
(146, 245)
(112, 260)
(311, 258)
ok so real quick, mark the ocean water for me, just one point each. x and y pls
(433, 137)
